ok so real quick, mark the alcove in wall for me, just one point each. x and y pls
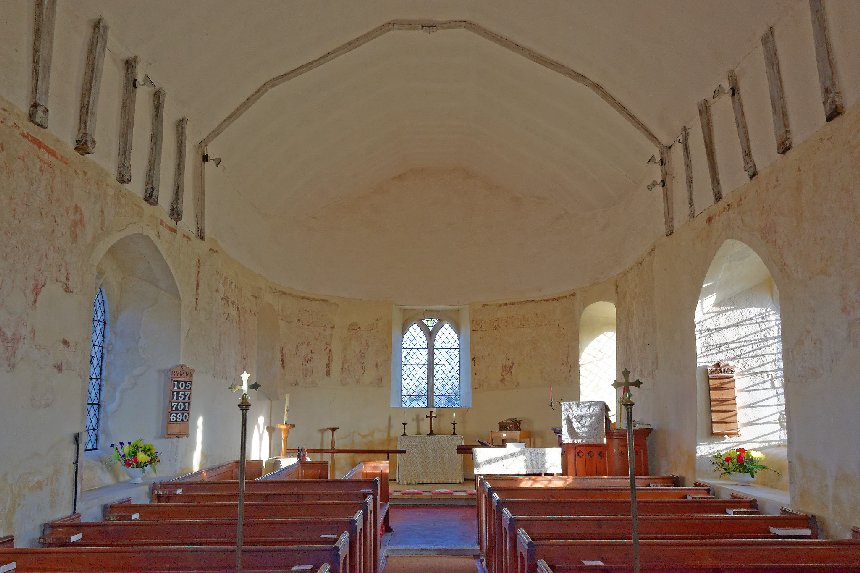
(738, 322)
(597, 348)
(142, 345)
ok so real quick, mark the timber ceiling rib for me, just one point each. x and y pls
(507, 113)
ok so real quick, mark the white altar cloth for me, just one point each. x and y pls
(517, 461)
(429, 459)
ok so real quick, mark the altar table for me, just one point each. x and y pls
(429, 459)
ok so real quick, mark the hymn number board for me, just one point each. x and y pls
(179, 401)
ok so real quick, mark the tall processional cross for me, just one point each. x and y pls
(626, 398)
(431, 415)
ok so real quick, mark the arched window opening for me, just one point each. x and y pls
(597, 354)
(97, 354)
(738, 324)
(430, 359)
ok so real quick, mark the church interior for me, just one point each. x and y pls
(402, 218)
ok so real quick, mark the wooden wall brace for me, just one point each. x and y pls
(86, 142)
(153, 165)
(199, 193)
(688, 171)
(741, 125)
(126, 121)
(831, 95)
(176, 205)
(781, 127)
(43, 50)
(710, 148)
(668, 189)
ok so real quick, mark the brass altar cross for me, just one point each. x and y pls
(626, 398)
(431, 416)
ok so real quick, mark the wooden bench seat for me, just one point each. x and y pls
(262, 497)
(483, 485)
(175, 559)
(689, 555)
(253, 510)
(651, 527)
(494, 530)
(299, 470)
(225, 471)
(71, 531)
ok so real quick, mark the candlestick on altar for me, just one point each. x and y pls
(332, 429)
(404, 428)
(454, 430)
(627, 402)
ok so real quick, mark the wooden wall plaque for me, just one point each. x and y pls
(179, 401)
(724, 406)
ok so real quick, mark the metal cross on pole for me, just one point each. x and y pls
(244, 406)
(627, 402)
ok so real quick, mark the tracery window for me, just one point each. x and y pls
(97, 353)
(430, 361)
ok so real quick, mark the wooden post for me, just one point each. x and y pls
(43, 50)
(176, 205)
(688, 171)
(781, 127)
(153, 166)
(710, 149)
(668, 190)
(741, 125)
(126, 122)
(86, 142)
(831, 95)
(285, 434)
(200, 193)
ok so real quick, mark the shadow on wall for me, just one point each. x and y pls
(738, 321)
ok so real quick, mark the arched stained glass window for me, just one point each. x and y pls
(97, 354)
(431, 365)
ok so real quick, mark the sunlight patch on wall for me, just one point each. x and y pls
(198, 450)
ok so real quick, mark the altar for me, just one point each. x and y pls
(429, 459)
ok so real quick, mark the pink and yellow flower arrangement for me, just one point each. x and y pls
(135, 454)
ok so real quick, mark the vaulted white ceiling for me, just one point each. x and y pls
(441, 167)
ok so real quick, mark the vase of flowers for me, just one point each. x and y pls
(740, 464)
(135, 457)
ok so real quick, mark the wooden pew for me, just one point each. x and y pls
(255, 510)
(268, 484)
(174, 558)
(675, 556)
(262, 497)
(376, 470)
(484, 484)
(225, 471)
(653, 527)
(580, 507)
(70, 531)
(298, 470)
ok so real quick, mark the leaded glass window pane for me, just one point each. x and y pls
(446, 368)
(414, 387)
(94, 389)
